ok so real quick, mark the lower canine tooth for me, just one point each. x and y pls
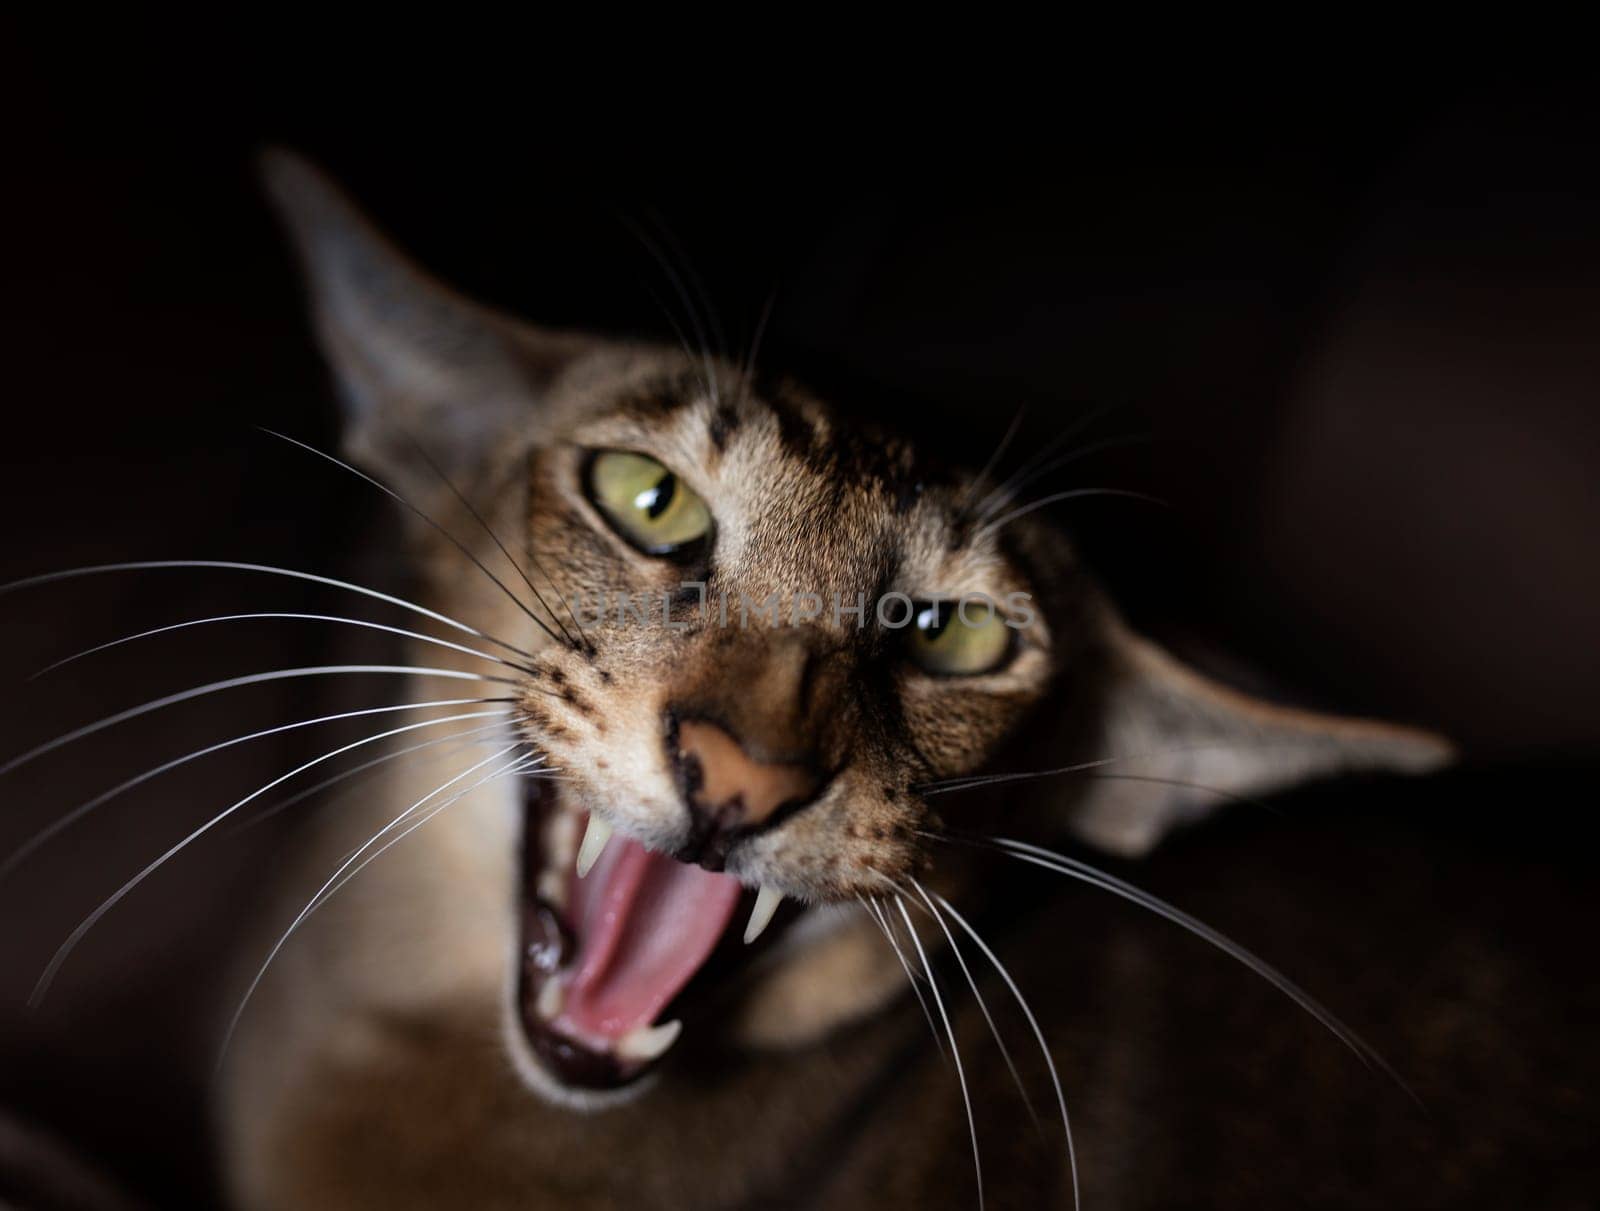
(644, 1043)
(767, 901)
(551, 999)
(594, 844)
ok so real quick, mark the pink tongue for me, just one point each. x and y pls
(645, 923)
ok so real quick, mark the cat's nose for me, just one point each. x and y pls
(728, 790)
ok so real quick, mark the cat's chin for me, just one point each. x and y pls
(613, 965)
(546, 1084)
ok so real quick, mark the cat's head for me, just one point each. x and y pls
(754, 638)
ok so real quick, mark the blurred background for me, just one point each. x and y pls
(1361, 335)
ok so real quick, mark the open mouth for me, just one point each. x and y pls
(609, 959)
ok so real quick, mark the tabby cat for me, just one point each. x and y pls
(687, 848)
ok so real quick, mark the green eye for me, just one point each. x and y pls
(959, 639)
(646, 503)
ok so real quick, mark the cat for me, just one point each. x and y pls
(750, 665)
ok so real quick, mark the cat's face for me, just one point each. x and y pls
(742, 654)
(760, 655)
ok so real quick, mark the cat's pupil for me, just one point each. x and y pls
(932, 620)
(654, 501)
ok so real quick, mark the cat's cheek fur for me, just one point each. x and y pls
(832, 969)
(957, 726)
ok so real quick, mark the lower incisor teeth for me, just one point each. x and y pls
(645, 1043)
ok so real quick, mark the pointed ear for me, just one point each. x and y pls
(414, 359)
(1186, 744)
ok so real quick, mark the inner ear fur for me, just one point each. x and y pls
(417, 363)
(1182, 744)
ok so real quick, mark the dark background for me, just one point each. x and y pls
(1361, 328)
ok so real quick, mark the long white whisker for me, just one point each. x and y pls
(233, 683)
(1184, 784)
(520, 765)
(145, 565)
(983, 1008)
(88, 923)
(18, 856)
(440, 529)
(354, 622)
(973, 781)
(333, 882)
(893, 926)
(1038, 1034)
(955, 1051)
(472, 736)
(882, 920)
(478, 517)
(1050, 860)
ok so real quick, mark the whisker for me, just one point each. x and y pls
(1074, 494)
(1005, 1052)
(495, 538)
(1082, 871)
(354, 622)
(973, 781)
(445, 533)
(878, 915)
(529, 764)
(145, 565)
(696, 282)
(1044, 452)
(955, 1051)
(747, 374)
(516, 767)
(231, 683)
(1066, 460)
(664, 263)
(1038, 1034)
(472, 736)
(88, 923)
(61, 824)
(994, 461)
(1183, 784)
(689, 351)
(323, 892)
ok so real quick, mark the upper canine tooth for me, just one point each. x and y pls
(594, 844)
(646, 1043)
(767, 901)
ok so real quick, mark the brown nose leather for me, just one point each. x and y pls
(732, 788)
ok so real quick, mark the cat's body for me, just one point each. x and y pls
(411, 1046)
